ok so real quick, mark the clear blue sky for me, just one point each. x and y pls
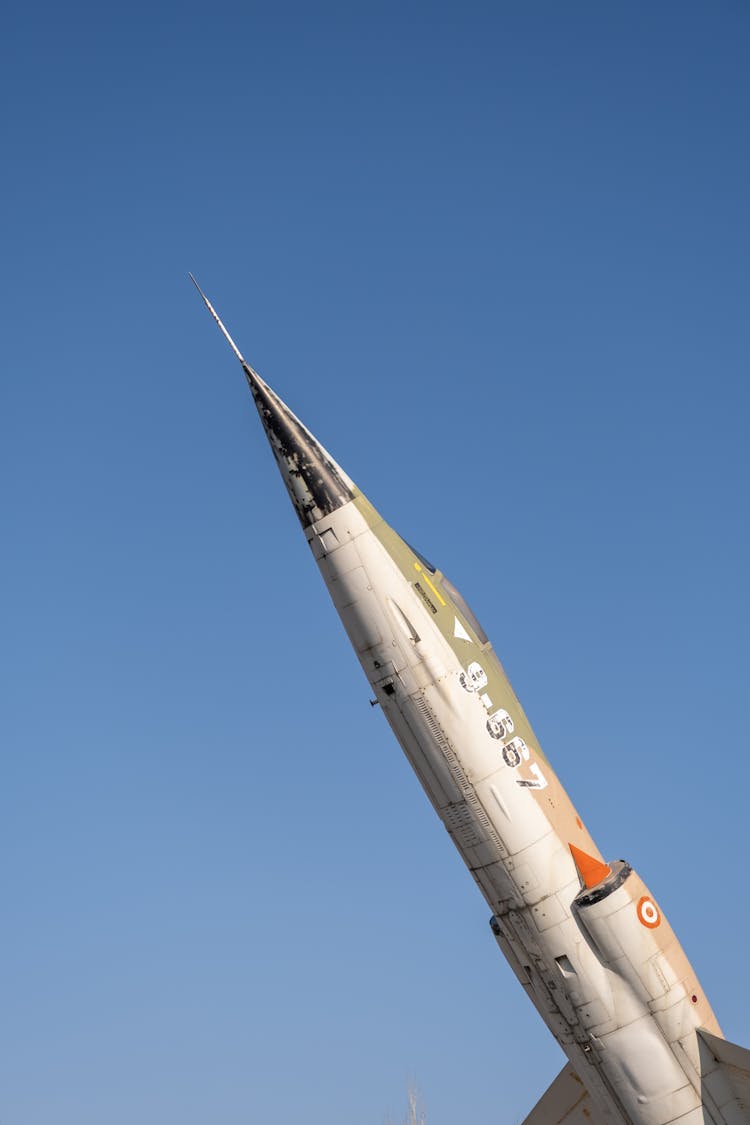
(496, 256)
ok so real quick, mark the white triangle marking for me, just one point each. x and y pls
(459, 631)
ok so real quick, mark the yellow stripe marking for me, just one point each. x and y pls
(432, 586)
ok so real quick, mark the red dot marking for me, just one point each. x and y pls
(694, 999)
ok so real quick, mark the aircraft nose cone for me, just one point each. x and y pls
(316, 484)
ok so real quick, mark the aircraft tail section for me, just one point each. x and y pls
(566, 1102)
(725, 1077)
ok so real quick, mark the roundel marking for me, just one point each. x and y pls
(648, 913)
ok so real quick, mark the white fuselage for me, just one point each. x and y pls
(622, 1016)
(585, 938)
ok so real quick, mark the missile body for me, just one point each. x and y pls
(585, 938)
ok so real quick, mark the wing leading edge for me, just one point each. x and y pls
(566, 1102)
(725, 1077)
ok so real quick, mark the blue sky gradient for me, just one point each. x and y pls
(496, 257)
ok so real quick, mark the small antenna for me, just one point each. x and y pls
(248, 369)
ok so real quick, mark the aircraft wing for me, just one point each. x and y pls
(725, 1076)
(566, 1102)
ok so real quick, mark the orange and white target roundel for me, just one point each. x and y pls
(648, 912)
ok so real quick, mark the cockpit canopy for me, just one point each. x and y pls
(456, 597)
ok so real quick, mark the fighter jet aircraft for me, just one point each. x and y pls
(585, 937)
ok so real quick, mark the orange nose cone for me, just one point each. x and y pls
(592, 871)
